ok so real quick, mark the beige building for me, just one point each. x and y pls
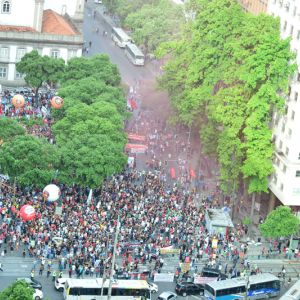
(254, 6)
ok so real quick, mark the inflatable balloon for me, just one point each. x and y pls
(18, 101)
(51, 192)
(27, 212)
(57, 102)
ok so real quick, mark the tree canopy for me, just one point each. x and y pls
(9, 129)
(224, 78)
(280, 222)
(31, 160)
(19, 290)
(40, 69)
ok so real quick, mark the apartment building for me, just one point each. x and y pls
(285, 183)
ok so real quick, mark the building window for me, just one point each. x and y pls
(292, 30)
(20, 53)
(72, 53)
(298, 173)
(296, 96)
(280, 144)
(6, 7)
(275, 178)
(55, 53)
(283, 127)
(295, 11)
(284, 25)
(290, 132)
(4, 52)
(298, 77)
(19, 75)
(299, 156)
(281, 186)
(287, 150)
(284, 169)
(3, 72)
(293, 115)
(298, 35)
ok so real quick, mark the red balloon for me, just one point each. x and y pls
(13, 209)
(27, 212)
(57, 102)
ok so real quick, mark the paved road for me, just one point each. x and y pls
(104, 44)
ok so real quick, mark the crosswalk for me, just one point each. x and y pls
(16, 266)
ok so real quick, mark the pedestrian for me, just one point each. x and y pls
(24, 253)
(32, 275)
(1, 267)
(48, 273)
(53, 275)
(70, 272)
(41, 270)
(60, 274)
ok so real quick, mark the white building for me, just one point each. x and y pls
(285, 183)
(26, 25)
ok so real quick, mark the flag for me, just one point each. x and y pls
(89, 199)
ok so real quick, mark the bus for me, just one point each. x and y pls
(293, 293)
(134, 54)
(258, 287)
(120, 37)
(87, 289)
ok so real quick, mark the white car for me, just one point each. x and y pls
(38, 295)
(98, 1)
(167, 296)
(153, 287)
(60, 284)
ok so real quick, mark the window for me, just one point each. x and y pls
(290, 132)
(281, 186)
(20, 53)
(295, 11)
(293, 115)
(283, 127)
(296, 96)
(298, 77)
(72, 53)
(284, 25)
(298, 35)
(291, 30)
(287, 150)
(55, 53)
(284, 169)
(6, 7)
(299, 155)
(280, 144)
(275, 178)
(4, 52)
(3, 72)
(19, 75)
(298, 173)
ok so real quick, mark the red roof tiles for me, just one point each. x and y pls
(16, 28)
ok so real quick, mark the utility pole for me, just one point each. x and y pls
(113, 258)
(252, 214)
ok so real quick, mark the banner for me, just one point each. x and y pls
(135, 137)
(198, 279)
(214, 243)
(169, 251)
(185, 267)
(164, 277)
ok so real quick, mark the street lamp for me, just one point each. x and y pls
(113, 258)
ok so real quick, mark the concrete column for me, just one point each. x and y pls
(38, 15)
(272, 202)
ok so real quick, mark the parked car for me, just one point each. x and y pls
(189, 288)
(31, 282)
(212, 272)
(167, 296)
(60, 284)
(38, 295)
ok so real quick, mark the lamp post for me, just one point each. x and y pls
(113, 258)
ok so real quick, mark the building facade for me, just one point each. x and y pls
(285, 183)
(44, 30)
(254, 6)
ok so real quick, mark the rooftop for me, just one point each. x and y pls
(54, 23)
(17, 28)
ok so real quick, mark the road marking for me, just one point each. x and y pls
(195, 297)
(24, 266)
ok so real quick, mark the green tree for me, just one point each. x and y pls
(9, 129)
(99, 67)
(29, 159)
(40, 69)
(225, 77)
(19, 290)
(280, 222)
(155, 23)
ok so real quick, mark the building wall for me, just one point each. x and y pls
(254, 6)
(74, 8)
(21, 13)
(285, 183)
(15, 48)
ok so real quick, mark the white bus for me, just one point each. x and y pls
(87, 289)
(134, 54)
(293, 293)
(260, 286)
(120, 37)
